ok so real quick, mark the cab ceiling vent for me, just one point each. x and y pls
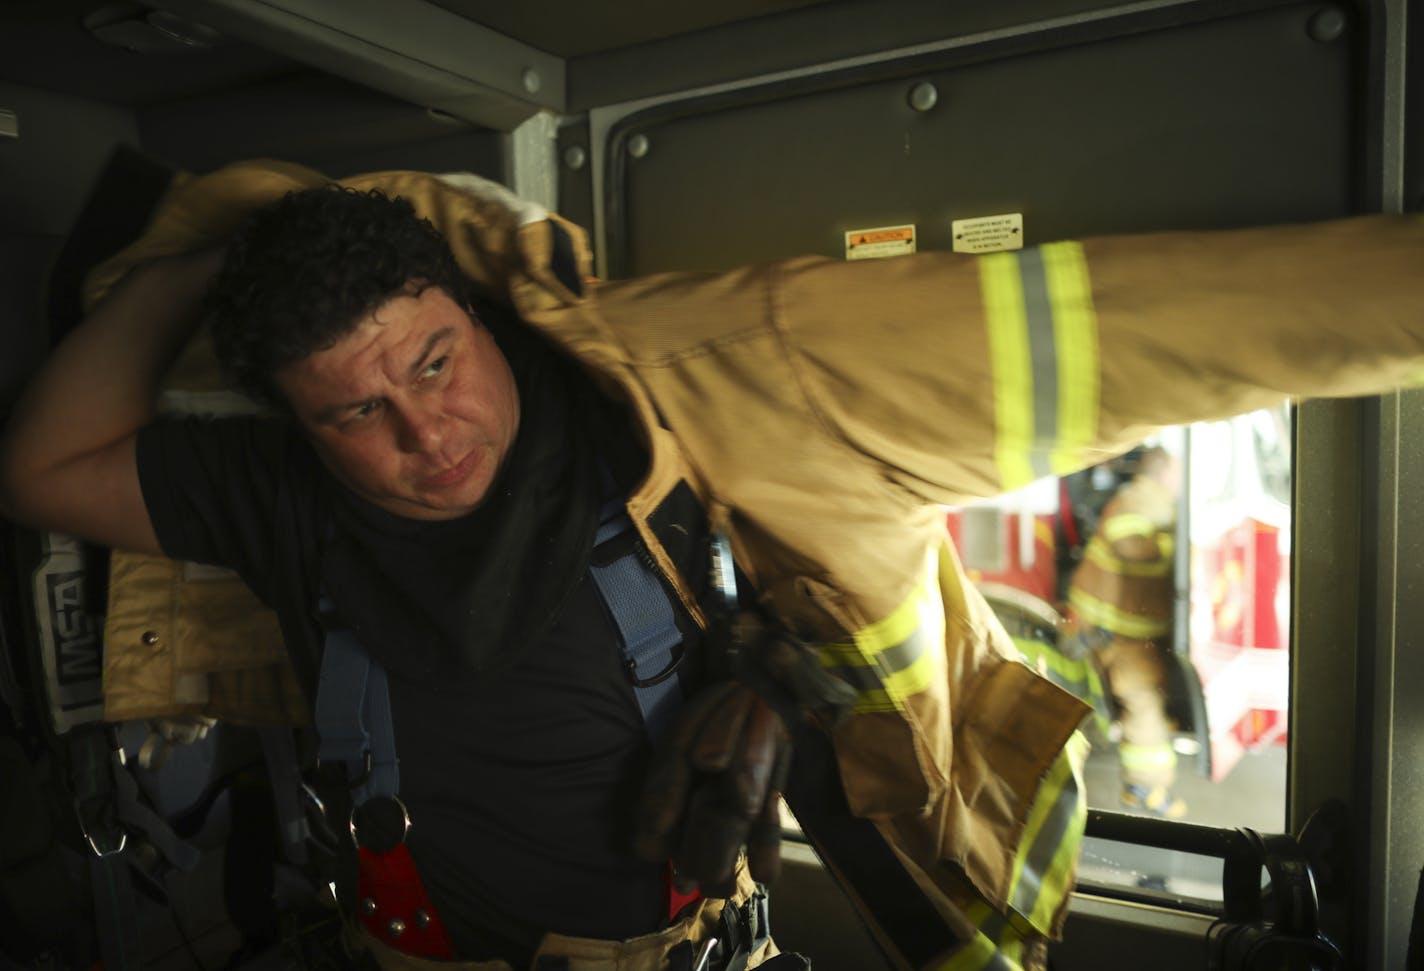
(145, 31)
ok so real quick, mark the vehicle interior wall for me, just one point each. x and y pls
(1045, 127)
(45, 171)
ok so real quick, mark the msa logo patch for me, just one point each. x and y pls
(76, 637)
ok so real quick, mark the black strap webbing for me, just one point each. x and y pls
(858, 856)
(284, 771)
(851, 847)
(92, 776)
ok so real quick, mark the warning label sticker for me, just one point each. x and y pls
(988, 234)
(871, 244)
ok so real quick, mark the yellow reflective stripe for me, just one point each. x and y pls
(1062, 671)
(1012, 366)
(1098, 698)
(1075, 327)
(1043, 865)
(1110, 618)
(897, 656)
(1079, 677)
(1042, 328)
(979, 954)
(1102, 556)
(1146, 758)
(995, 947)
(1127, 524)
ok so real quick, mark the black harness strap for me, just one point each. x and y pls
(92, 755)
(858, 856)
(852, 848)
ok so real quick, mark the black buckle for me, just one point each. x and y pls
(742, 930)
(96, 800)
(109, 847)
(335, 772)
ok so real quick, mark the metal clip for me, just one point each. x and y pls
(704, 959)
(123, 841)
(724, 570)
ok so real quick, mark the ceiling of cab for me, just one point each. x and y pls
(123, 53)
(571, 28)
(129, 53)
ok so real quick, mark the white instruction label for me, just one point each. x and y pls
(988, 234)
(872, 244)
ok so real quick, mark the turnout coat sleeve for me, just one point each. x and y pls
(829, 406)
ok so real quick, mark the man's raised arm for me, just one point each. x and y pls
(67, 458)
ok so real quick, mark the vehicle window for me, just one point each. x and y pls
(1156, 586)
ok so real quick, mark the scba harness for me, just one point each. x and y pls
(358, 775)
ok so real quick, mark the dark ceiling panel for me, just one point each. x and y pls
(573, 28)
(49, 47)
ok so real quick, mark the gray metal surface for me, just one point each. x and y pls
(408, 48)
(1388, 817)
(1246, 119)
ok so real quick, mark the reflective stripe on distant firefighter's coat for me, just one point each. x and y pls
(1043, 345)
(1129, 598)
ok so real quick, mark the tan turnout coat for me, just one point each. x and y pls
(822, 412)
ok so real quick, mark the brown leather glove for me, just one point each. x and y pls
(714, 786)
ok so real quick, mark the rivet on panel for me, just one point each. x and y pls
(149, 637)
(532, 81)
(575, 157)
(923, 96)
(638, 146)
(368, 906)
(1326, 25)
(396, 927)
(422, 919)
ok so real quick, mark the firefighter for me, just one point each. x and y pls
(1120, 608)
(816, 414)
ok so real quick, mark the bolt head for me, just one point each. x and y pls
(923, 96)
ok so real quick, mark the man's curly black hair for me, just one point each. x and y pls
(301, 272)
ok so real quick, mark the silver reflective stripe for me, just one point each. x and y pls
(1053, 835)
(1038, 313)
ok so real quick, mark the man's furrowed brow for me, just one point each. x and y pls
(433, 341)
(334, 413)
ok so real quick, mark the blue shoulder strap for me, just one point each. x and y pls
(353, 708)
(353, 718)
(641, 607)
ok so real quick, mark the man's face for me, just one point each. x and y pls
(415, 409)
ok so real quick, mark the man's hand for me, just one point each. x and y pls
(714, 787)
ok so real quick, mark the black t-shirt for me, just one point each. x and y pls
(522, 784)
